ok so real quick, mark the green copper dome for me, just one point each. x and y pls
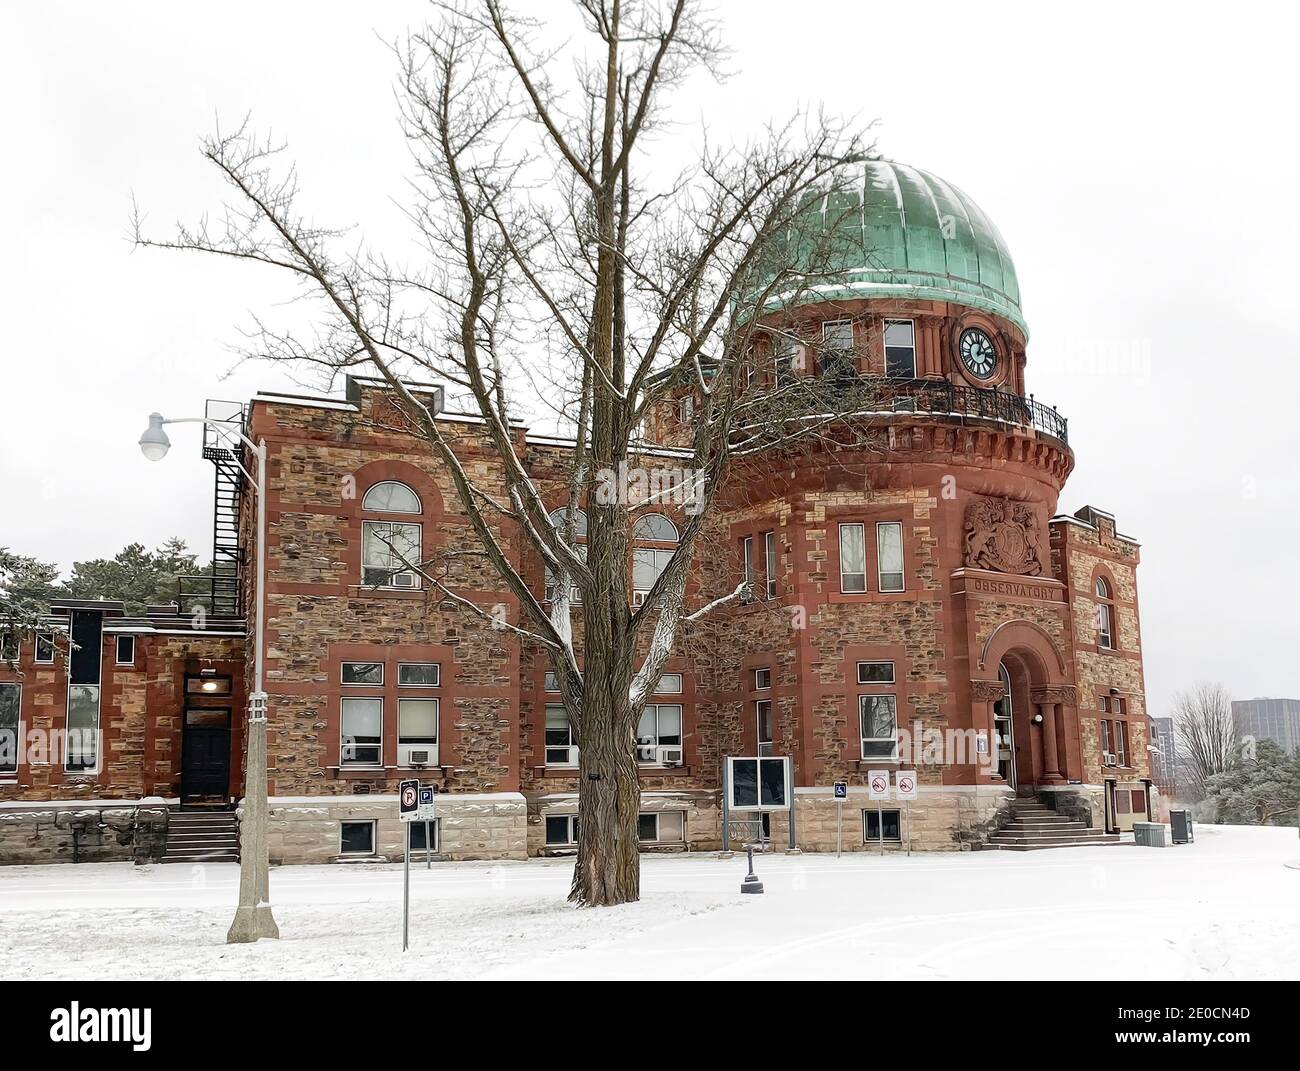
(897, 231)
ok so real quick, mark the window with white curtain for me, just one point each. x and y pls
(561, 749)
(417, 725)
(661, 726)
(361, 730)
(900, 349)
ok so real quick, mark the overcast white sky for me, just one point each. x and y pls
(1140, 160)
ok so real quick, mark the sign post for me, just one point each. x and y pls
(906, 783)
(878, 790)
(841, 794)
(408, 803)
(426, 813)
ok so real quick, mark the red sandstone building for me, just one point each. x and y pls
(913, 593)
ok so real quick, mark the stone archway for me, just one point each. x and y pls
(1042, 704)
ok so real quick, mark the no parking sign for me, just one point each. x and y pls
(906, 783)
(878, 784)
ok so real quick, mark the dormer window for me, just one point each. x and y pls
(390, 549)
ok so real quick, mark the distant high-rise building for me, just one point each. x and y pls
(1269, 719)
(1164, 761)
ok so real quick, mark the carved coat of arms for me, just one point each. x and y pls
(1003, 535)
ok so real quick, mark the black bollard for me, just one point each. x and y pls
(751, 884)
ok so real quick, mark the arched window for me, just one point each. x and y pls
(559, 521)
(389, 549)
(391, 497)
(648, 563)
(1105, 614)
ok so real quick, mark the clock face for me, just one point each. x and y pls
(977, 353)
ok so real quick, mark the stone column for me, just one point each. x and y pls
(1051, 703)
(1051, 754)
(983, 695)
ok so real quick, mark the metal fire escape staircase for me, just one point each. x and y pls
(221, 594)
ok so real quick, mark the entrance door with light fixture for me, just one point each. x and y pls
(205, 742)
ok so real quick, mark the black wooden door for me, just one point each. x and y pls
(205, 756)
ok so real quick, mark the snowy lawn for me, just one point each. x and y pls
(1224, 907)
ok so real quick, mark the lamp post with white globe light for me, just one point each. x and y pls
(253, 917)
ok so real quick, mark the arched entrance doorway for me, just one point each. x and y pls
(1030, 707)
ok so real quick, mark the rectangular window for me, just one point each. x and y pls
(747, 558)
(560, 746)
(81, 751)
(900, 349)
(836, 358)
(853, 558)
(1121, 743)
(561, 830)
(873, 821)
(879, 723)
(10, 711)
(417, 732)
(363, 673)
(1139, 800)
(889, 552)
(420, 833)
(575, 592)
(9, 647)
(44, 648)
(785, 352)
(1103, 625)
(1106, 749)
(356, 838)
(661, 827)
(388, 549)
(763, 678)
(1104, 704)
(669, 684)
(419, 674)
(875, 672)
(126, 650)
(647, 565)
(660, 726)
(770, 563)
(763, 716)
(362, 732)
(551, 682)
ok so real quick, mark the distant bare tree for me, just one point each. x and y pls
(563, 265)
(1205, 733)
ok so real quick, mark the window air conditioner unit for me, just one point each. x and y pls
(417, 756)
(638, 597)
(403, 580)
(669, 756)
(1108, 759)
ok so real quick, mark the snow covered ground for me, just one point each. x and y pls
(1224, 907)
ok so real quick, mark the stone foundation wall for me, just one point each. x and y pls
(943, 819)
(470, 826)
(89, 831)
(703, 820)
(1087, 803)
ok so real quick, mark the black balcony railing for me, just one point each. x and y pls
(941, 396)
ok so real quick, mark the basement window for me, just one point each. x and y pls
(561, 830)
(661, 827)
(872, 821)
(416, 832)
(356, 838)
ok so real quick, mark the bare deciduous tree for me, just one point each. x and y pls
(1205, 734)
(562, 262)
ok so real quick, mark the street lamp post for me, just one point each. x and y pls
(253, 917)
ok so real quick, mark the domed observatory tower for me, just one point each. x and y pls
(913, 607)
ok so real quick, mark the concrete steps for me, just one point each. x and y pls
(202, 837)
(1034, 827)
